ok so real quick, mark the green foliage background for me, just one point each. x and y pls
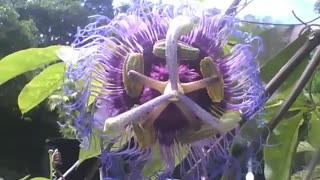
(26, 24)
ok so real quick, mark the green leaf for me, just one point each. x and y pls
(314, 131)
(93, 150)
(281, 147)
(26, 60)
(39, 178)
(40, 87)
(155, 163)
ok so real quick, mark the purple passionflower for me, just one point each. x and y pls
(164, 78)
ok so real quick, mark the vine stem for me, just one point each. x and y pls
(293, 62)
(312, 165)
(297, 89)
(70, 170)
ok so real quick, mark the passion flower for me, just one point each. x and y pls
(162, 78)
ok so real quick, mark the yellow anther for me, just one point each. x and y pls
(185, 51)
(134, 62)
(216, 89)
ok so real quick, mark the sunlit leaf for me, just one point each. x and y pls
(281, 147)
(96, 86)
(227, 48)
(93, 150)
(26, 60)
(40, 87)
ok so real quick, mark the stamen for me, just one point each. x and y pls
(188, 136)
(134, 62)
(185, 51)
(178, 26)
(221, 126)
(137, 77)
(228, 121)
(154, 114)
(196, 85)
(202, 114)
(215, 90)
(192, 119)
(115, 125)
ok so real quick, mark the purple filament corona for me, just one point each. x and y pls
(103, 48)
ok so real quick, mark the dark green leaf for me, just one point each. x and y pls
(156, 162)
(40, 87)
(314, 131)
(26, 60)
(281, 147)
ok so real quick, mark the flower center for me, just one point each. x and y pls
(171, 92)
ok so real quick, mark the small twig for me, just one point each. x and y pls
(233, 7)
(50, 152)
(300, 20)
(243, 6)
(312, 165)
(278, 24)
